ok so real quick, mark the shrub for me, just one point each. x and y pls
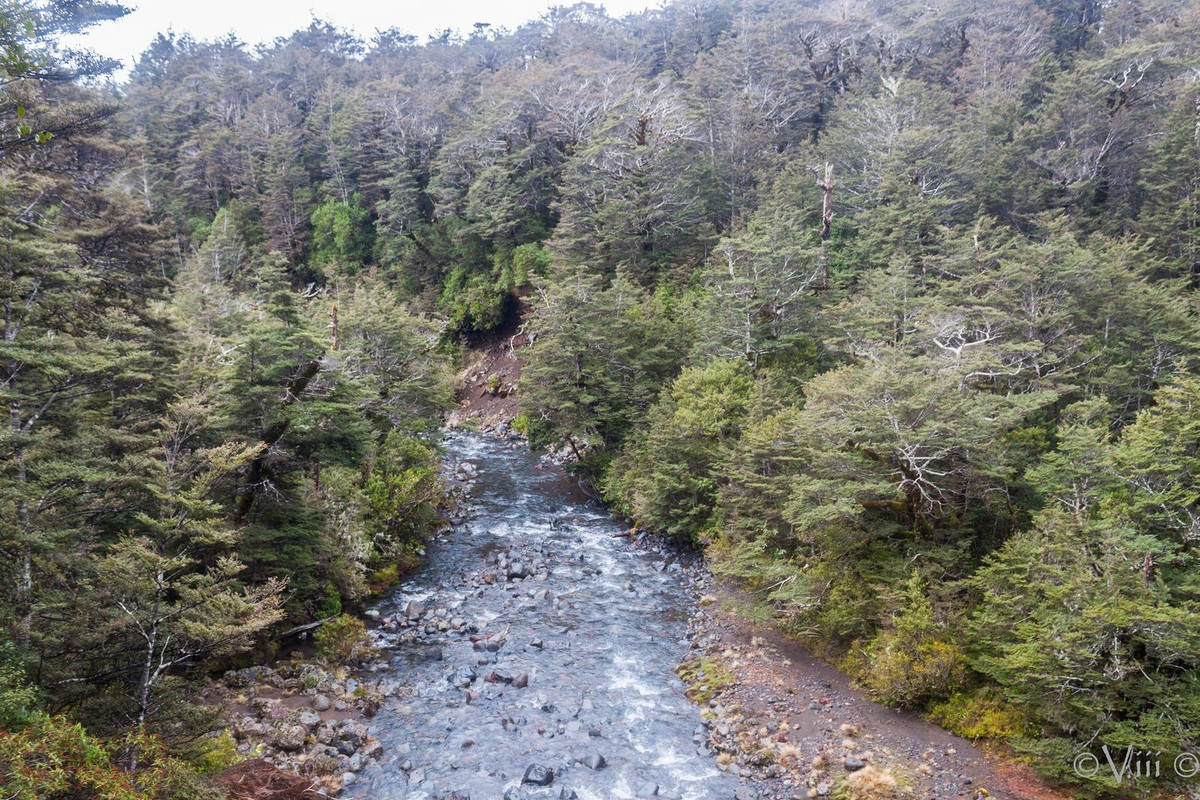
(219, 754)
(342, 639)
(55, 758)
(913, 663)
(18, 697)
(979, 714)
(520, 423)
(402, 494)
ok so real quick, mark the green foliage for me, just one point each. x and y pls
(219, 754)
(979, 714)
(472, 301)
(402, 494)
(913, 661)
(599, 358)
(342, 639)
(55, 758)
(530, 261)
(842, 296)
(18, 695)
(667, 478)
(342, 234)
(1087, 619)
(520, 423)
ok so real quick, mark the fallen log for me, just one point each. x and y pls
(308, 626)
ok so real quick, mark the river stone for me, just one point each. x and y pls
(289, 737)
(309, 719)
(461, 678)
(593, 761)
(538, 775)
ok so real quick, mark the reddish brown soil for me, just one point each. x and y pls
(257, 779)
(488, 380)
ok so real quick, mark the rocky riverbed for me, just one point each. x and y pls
(543, 653)
(537, 652)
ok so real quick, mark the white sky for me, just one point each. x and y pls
(256, 21)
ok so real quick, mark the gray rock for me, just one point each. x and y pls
(289, 737)
(348, 779)
(648, 789)
(593, 761)
(538, 775)
(321, 703)
(462, 677)
(853, 764)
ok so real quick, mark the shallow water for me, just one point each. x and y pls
(612, 627)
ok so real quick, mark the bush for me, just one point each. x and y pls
(529, 261)
(520, 423)
(18, 698)
(219, 754)
(979, 714)
(402, 495)
(667, 477)
(913, 663)
(55, 758)
(342, 639)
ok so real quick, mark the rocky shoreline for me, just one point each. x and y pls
(305, 718)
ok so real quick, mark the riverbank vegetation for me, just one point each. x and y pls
(890, 307)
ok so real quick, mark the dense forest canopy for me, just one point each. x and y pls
(890, 306)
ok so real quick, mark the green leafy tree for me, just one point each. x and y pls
(668, 478)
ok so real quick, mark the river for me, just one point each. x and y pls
(564, 675)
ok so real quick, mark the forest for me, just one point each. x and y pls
(889, 307)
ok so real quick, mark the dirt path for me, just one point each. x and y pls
(798, 727)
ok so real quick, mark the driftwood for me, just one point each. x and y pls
(308, 626)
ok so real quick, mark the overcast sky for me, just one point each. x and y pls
(257, 21)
